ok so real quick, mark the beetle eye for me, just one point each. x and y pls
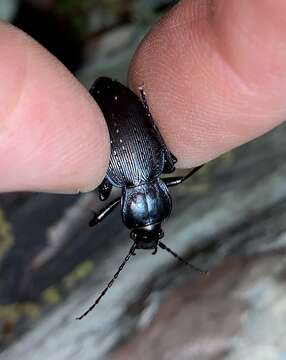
(161, 234)
(133, 235)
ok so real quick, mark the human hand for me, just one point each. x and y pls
(215, 77)
(215, 74)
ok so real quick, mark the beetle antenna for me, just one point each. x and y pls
(127, 257)
(165, 247)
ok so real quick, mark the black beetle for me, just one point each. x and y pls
(138, 157)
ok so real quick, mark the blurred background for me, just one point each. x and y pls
(230, 219)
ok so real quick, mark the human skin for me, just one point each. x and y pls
(215, 76)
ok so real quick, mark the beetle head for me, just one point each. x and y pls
(147, 237)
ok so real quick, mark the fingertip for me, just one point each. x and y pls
(203, 102)
(52, 134)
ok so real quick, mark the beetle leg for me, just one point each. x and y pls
(98, 217)
(104, 189)
(169, 163)
(176, 180)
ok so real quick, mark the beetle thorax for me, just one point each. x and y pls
(146, 204)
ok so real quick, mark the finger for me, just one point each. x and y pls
(52, 135)
(215, 74)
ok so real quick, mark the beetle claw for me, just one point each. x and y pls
(155, 251)
(94, 221)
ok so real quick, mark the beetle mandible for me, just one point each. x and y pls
(138, 157)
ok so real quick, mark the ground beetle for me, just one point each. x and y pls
(138, 157)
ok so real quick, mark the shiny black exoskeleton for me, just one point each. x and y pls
(139, 156)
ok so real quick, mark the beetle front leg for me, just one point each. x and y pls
(104, 189)
(176, 180)
(98, 217)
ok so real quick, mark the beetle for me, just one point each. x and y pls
(138, 157)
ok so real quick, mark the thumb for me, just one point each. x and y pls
(53, 136)
(215, 74)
